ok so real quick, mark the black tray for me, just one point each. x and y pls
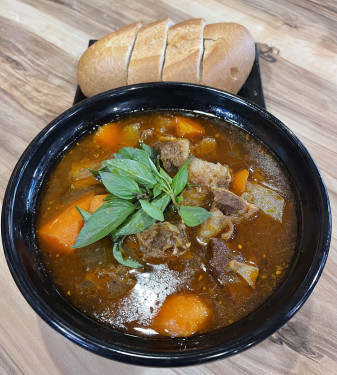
(251, 90)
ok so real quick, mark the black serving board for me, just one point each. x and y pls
(251, 90)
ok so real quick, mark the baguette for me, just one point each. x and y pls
(219, 55)
(103, 66)
(229, 53)
(184, 51)
(148, 54)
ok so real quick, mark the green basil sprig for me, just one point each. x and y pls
(122, 257)
(140, 191)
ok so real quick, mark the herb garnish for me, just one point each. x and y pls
(140, 191)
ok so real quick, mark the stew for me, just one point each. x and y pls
(207, 251)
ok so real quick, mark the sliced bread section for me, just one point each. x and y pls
(184, 51)
(229, 53)
(103, 66)
(148, 53)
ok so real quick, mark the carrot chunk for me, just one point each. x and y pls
(60, 233)
(186, 127)
(130, 135)
(239, 182)
(107, 136)
(181, 315)
(96, 202)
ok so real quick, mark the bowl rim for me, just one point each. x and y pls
(158, 359)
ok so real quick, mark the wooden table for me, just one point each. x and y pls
(40, 44)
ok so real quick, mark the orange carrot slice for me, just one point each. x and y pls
(186, 127)
(60, 233)
(181, 315)
(107, 136)
(239, 182)
(96, 202)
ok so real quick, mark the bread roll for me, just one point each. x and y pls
(184, 51)
(219, 55)
(148, 53)
(229, 53)
(103, 66)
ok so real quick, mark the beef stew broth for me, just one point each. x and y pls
(131, 299)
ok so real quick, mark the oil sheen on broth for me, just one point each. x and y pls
(225, 274)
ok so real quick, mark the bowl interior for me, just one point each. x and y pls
(38, 160)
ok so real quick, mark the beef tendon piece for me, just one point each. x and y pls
(114, 279)
(233, 206)
(173, 153)
(163, 242)
(248, 272)
(213, 226)
(208, 175)
(193, 196)
(270, 202)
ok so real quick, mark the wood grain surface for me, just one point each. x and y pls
(40, 44)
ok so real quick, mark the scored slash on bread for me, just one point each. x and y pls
(219, 55)
(148, 53)
(184, 52)
(103, 65)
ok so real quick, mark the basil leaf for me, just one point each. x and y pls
(180, 179)
(118, 156)
(121, 187)
(154, 168)
(140, 220)
(136, 170)
(165, 176)
(162, 201)
(103, 221)
(134, 154)
(136, 223)
(109, 198)
(149, 150)
(157, 190)
(85, 214)
(118, 253)
(152, 210)
(193, 216)
(157, 162)
(97, 172)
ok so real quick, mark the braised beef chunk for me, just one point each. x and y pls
(208, 175)
(230, 268)
(229, 203)
(173, 154)
(163, 241)
(115, 279)
(219, 262)
(233, 206)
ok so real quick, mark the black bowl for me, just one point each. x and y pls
(24, 260)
